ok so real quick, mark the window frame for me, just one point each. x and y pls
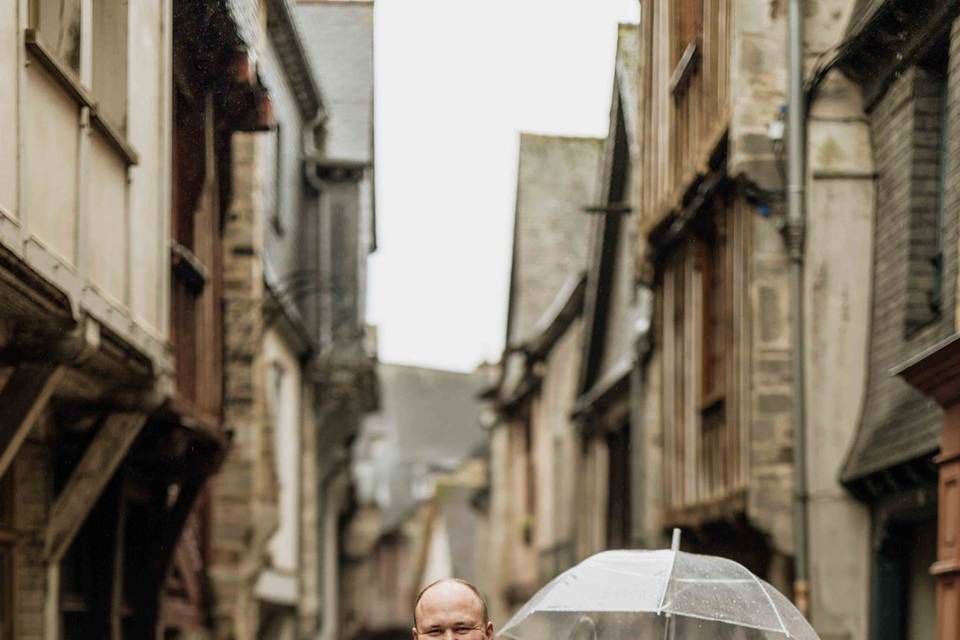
(78, 81)
(926, 262)
(714, 309)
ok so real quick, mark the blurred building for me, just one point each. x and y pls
(557, 178)
(338, 38)
(902, 94)
(183, 268)
(613, 307)
(300, 370)
(112, 277)
(415, 469)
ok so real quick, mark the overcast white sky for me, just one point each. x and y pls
(456, 80)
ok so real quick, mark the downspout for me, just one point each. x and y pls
(794, 235)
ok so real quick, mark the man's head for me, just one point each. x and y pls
(451, 608)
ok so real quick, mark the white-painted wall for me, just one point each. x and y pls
(838, 298)
(9, 67)
(69, 201)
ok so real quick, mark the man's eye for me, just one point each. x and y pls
(462, 631)
(435, 633)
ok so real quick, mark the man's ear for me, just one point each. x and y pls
(488, 631)
(413, 630)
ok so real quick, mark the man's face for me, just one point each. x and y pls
(451, 610)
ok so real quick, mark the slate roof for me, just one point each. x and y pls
(556, 177)
(428, 420)
(339, 42)
(286, 38)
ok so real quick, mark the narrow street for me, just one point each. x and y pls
(334, 319)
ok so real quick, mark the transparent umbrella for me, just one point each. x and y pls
(616, 595)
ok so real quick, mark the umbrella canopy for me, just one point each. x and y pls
(618, 595)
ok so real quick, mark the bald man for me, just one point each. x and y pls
(451, 608)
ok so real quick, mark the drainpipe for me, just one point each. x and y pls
(794, 232)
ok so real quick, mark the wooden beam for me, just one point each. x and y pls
(88, 480)
(21, 401)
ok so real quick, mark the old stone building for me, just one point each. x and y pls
(299, 370)
(257, 529)
(113, 421)
(900, 94)
(710, 190)
(557, 178)
(711, 81)
(338, 37)
(173, 289)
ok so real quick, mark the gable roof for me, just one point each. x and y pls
(606, 279)
(339, 43)
(556, 178)
(286, 39)
(429, 420)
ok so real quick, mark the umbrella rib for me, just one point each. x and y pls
(734, 623)
(772, 606)
(712, 580)
(632, 574)
(666, 583)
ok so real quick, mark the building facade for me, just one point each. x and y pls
(557, 178)
(178, 300)
(898, 462)
(115, 422)
(339, 166)
(299, 373)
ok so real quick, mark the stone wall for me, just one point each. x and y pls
(244, 493)
(766, 341)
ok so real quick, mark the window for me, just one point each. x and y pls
(700, 320)
(931, 124)
(109, 74)
(96, 55)
(711, 274)
(927, 205)
(58, 24)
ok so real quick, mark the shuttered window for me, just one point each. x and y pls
(702, 434)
